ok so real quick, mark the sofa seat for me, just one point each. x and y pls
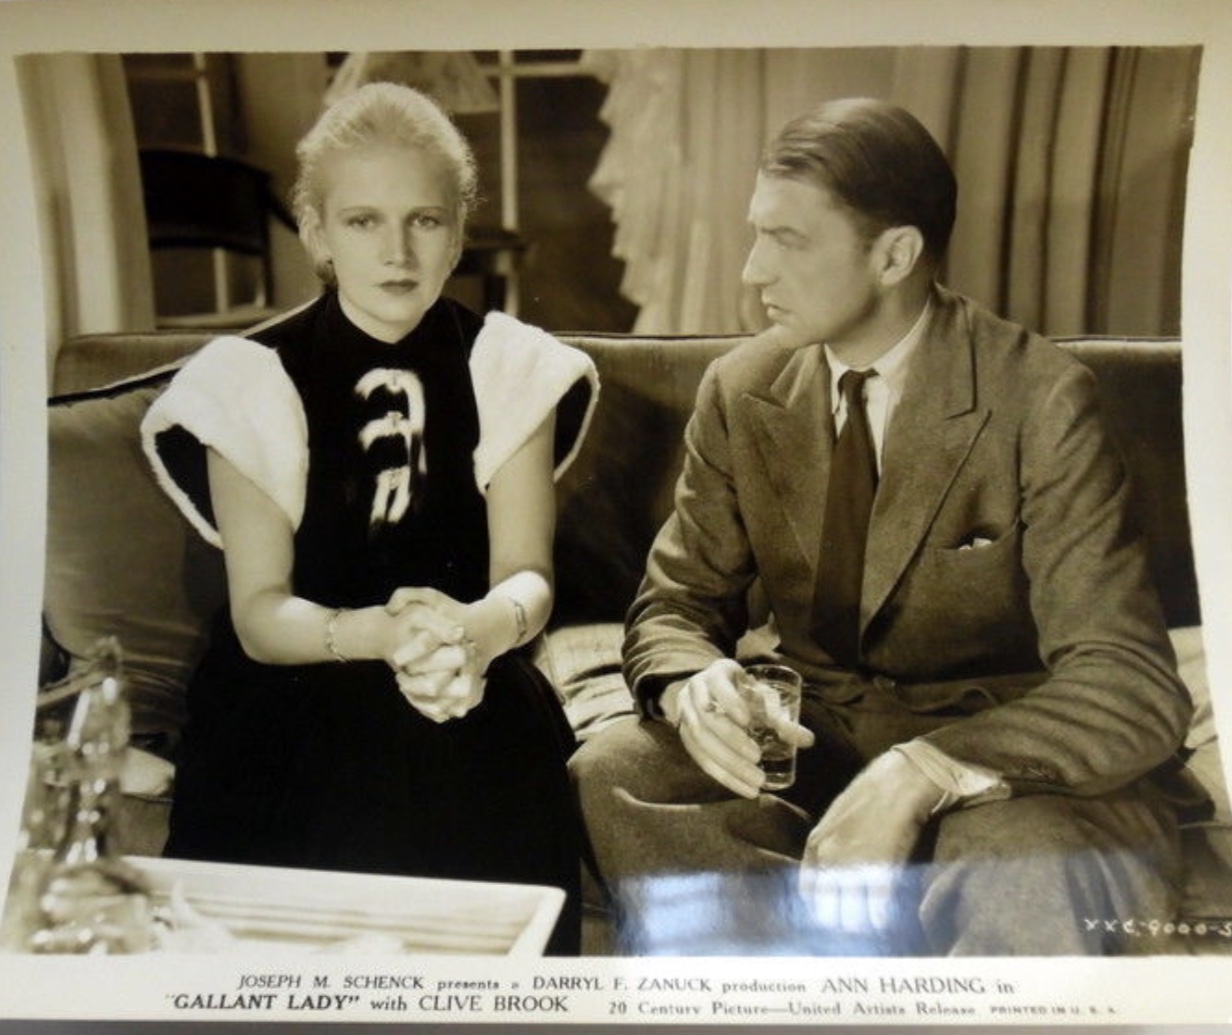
(122, 561)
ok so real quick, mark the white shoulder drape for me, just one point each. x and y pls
(235, 397)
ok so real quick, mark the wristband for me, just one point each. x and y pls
(331, 631)
(520, 619)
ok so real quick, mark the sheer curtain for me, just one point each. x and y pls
(1071, 164)
(676, 174)
(96, 265)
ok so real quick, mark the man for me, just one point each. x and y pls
(944, 543)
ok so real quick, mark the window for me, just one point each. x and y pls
(188, 102)
(536, 155)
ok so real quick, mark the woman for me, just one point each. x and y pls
(378, 470)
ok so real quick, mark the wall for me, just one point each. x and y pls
(279, 98)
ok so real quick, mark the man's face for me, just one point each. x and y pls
(809, 263)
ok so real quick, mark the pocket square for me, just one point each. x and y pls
(977, 542)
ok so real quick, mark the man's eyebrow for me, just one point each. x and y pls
(782, 230)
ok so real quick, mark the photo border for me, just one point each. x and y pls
(41, 26)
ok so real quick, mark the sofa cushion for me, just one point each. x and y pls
(120, 559)
(1210, 892)
(611, 501)
(1140, 386)
(583, 663)
(90, 362)
(619, 490)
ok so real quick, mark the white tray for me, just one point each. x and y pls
(241, 908)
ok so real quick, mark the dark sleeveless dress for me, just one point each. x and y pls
(326, 765)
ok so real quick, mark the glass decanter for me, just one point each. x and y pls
(90, 900)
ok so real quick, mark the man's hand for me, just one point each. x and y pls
(855, 856)
(711, 718)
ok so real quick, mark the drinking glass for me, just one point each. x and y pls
(772, 693)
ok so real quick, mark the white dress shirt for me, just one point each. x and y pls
(881, 393)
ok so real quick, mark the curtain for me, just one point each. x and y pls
(1022, 129)
(686, 129)
(676, 175)
(96, 265)
(1071, 165)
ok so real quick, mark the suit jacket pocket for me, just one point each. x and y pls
(980, 547)
(961, 610)
(983, 573)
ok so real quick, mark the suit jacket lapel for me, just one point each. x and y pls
(931, 434)
(794, 435)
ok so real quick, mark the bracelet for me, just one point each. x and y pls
(519, 617)
(331, 631)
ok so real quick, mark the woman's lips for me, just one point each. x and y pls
(399, 287)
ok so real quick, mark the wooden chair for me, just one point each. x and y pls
(209, 220)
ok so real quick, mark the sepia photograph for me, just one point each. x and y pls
(566, 522)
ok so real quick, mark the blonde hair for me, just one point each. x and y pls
(375, 114)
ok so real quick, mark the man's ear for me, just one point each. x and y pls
(900, 251)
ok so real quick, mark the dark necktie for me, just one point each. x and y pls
(849, 501)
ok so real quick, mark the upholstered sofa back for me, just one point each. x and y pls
(121, 560)
(619, 491)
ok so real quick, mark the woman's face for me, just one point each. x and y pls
(388, 223)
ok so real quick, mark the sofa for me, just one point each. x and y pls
(121, 560)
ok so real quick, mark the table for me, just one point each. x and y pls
(492, 254)
(220, 907)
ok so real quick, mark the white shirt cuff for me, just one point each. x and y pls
(961, 783)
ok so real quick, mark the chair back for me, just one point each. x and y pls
(208, 220)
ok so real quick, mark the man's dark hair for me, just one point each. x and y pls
(875, 158)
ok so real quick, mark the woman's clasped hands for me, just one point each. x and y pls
(439, 667)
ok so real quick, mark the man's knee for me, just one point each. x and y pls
(1033, 875)
(622, 756)
(1053, 824)
(642, 760)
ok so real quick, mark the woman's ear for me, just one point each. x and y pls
(900, 250)
(313, 238)
(459, 241)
